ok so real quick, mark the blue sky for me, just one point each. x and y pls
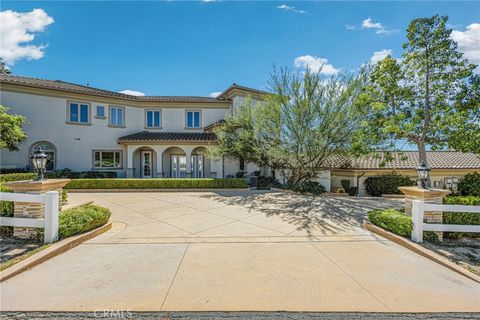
(196, 48)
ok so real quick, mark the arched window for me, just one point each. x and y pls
(49, 150)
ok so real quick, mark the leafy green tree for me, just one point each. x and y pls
(11, 129)
(429, 97)
(305, 120)
(3, 68)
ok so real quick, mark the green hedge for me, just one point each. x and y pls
(388, 184)
(156, 183)
(392, 220)
(17, 176)
(468, 218)
(81, 219)
(469, 185)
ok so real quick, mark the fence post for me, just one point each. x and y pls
(51, 216)
(417, 219)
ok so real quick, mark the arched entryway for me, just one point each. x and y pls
(145, 159)
(200, 164)
(175, 163)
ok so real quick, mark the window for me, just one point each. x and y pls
(107, 159)
(78, 112)
(153, 119)
(100, 112)
(193, 119)
(451, 183)
(117, 117)
(48, 149)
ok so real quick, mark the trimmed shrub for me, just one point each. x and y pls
(469, 185)
(82, 219)
(467, 218)
(352, 191)
(388, 184)
(312, 187)
(17, 176)
(392, 220)
(6, 210)
(67, 173)
(12, 170)
(161, 183)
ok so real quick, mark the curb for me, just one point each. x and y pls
(52, 251)
(71, 206)
(418, 249)
(159, 190)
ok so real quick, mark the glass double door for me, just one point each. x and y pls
(179, 166)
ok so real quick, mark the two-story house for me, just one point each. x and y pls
(84, 128)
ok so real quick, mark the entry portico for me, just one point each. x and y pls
(170, 155)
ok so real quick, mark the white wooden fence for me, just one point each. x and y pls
(49, 223)
(419, 208)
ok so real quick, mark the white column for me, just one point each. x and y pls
(159, 152)
(130, 152)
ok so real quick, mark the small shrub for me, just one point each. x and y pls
(81, 219)
(266, 182)
(466, 218)
(340, 190)
(352, 191)
(469, 185)
(12, 170)
(392, 220)
(161, 183)
(312, 187)
(388, 184)
(64, 196)
(6, 210)
(8, 177)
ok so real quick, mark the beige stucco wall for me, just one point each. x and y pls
(47, 116)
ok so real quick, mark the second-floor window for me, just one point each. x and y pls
(117, 117)
(193, 119)
(153, 119)
(78, 112)
(100, 112)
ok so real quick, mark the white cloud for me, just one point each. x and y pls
(132, 92)
(290, 8)
(380, 55)
(214, 94)
(469, 42)
(17, 31)
(379, 28)
(315, 64)
(350, 27)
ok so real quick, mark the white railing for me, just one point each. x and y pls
(49, 223)
(418, 211)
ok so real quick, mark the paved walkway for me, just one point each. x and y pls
(238, 252)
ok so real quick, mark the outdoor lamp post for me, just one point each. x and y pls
(39, 161)
(422, 172)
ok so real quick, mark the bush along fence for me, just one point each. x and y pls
(161, 183)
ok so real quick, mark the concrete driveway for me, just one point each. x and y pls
(234, 251)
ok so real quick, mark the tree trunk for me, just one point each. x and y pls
(422, 155)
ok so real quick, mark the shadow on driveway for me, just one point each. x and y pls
(308, 213)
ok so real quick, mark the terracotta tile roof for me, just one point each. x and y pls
(169, 136)
(409, 160)
(239, 87)
(76, 88)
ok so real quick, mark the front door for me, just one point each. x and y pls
(178, 166)
(197, 166)
(146, 164)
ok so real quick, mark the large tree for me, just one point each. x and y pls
(306, 119)
(11, 129)
(429, 97)
(3, 68)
